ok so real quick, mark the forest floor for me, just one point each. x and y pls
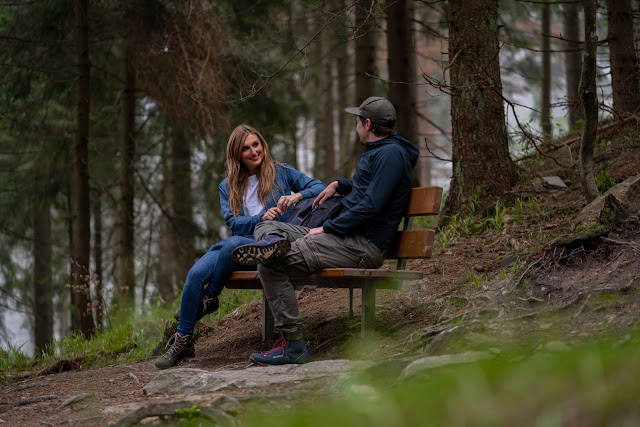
(508, 286)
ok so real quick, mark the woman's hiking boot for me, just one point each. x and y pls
(180, 347)
(258, 252)
(282, 353)
(209, 305)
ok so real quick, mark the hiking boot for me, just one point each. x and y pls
(282, 353)
(180, 348)
(209, 305)
(255, 253)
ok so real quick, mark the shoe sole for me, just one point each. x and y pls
(257, 363)
(296, 362)
(254, 255)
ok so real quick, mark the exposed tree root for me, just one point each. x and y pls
(635, 246)
(577, 299)
(23, 402)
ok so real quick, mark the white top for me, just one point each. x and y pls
(252, 205)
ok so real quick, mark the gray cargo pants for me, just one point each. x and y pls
(307, 256)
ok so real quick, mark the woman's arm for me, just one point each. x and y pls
(301, 183)
(239, 225)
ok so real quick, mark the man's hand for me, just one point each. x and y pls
(315, 231)
(286, 202)
(271, 215)
(326, 193)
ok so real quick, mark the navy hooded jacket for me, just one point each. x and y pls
(378, 196)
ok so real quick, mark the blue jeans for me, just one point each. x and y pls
(214, 268)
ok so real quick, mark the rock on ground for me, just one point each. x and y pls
(196, 381)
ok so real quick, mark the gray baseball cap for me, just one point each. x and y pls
(377, 109)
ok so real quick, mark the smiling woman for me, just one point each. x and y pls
(256, 189)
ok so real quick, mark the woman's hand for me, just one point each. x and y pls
(286, 202)
(326, 193)
(271, 215)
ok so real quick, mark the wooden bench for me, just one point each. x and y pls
(411, 244)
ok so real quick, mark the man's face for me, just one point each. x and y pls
(361, 130)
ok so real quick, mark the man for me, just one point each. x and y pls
(373, 206)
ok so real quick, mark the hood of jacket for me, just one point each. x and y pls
(412, 151)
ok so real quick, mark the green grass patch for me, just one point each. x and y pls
(603, 182)
(11, 361)
(130, 338)
(230, 299)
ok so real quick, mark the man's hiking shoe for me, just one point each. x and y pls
(180, 347)
(209, 305)
(282, 353)
(255, 253)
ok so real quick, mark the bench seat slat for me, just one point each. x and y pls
(333, 278)
(329, 273)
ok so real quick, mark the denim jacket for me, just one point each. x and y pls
(289, 179)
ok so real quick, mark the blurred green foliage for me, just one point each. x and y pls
(590, 384)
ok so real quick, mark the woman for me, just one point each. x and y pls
(256, 189)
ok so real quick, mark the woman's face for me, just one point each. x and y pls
(252, 153)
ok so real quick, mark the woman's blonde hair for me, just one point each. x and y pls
(238, 174)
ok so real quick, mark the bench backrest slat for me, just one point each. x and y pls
(424, 201)
(417, 243)
(413, 244)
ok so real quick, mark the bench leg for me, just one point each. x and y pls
(368, 309)
(268, 330)
(350, 303)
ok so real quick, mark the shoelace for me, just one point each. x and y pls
(280, 344)
(174, 343)
(205, 304)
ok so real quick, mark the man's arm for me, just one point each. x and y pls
(387, 169)
(325, 194)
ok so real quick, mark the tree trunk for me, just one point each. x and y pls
(291, 153)
(183, 229)
(344, 100)
(546, 73)
(329, 137)
(624, 61)
(97, 259)
(320, 82)
(477, 115)
(73, 304)
(165, 268)
(81, 173)
(402, 72)
(42, 289)
(365, 60)
(126, 277)
(573, 59)
(590, 99)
